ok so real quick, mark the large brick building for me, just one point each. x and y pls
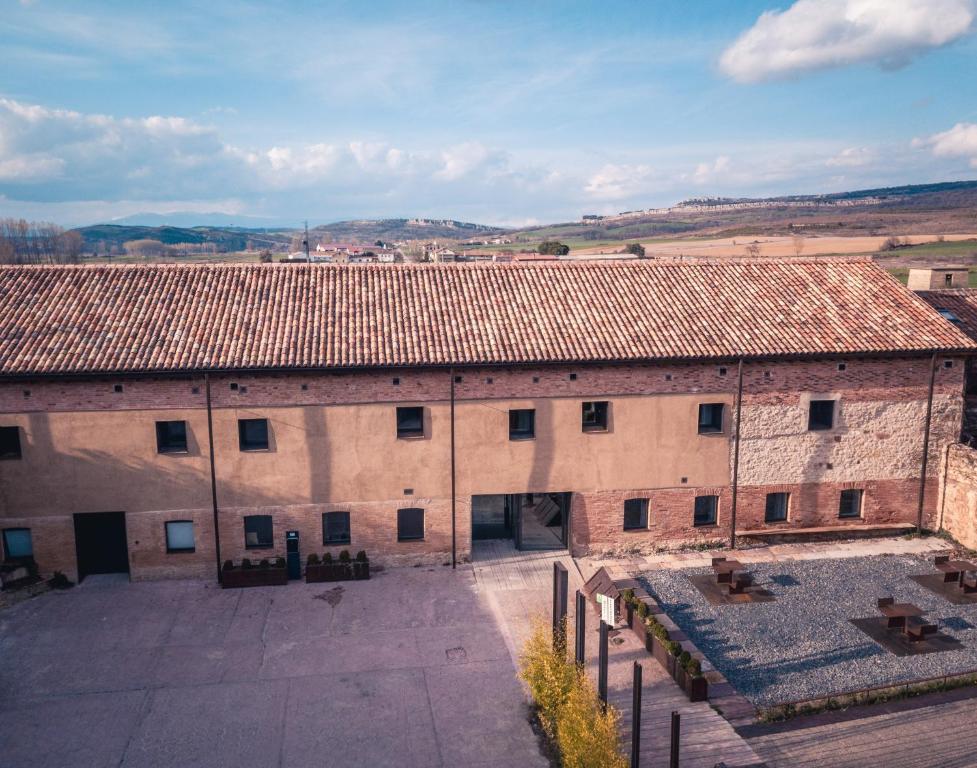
(406, 410)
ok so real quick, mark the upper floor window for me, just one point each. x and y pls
(635, 514)
(710, 418)
(776, 509)
(706, 510)
(522, 424)
(594, 417)
(258, 532)
(335, 528)
(253, 434)
(179, 536)
(410, 421)
(171, 436)
(850, 504)
(821, 415)
(10, 443)
(17, 544)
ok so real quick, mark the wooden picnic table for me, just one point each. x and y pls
(724, 570)
(897, 613)
(955, 570)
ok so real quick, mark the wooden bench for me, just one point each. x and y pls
(740, 583)
(918, 629)
(825, 529)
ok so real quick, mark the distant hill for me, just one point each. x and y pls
(101, 237)
(369, 230)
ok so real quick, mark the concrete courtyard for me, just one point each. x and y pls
(407, 669)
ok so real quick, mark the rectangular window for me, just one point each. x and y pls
(10, 443)
(851, 503)
(410, 422)
(171, 436)
(777, 504)
(522, 424)
(258, 533)
(821, 415)
(635, 514)
(335, 528)
(710, 418)
(17, 544)
(410, 524)
(595, 416)
(179, 535)
(253, 434)
(706, 510)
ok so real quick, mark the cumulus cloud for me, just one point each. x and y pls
(818, 34)
(614, 181)
(851, 157)
(959, 141)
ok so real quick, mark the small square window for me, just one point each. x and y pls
(335, 528)
(947, 363)
(522, 424)
(573, 377)
(711, 418)
(458, 379)
(179, 536)
(410, 422)
(253, 434)
(117, 388)
(258, 532)
(722, 371)
(842, 366)
(776, 510)
(410, 524)
(635, 514)
(234, 387)
(706, 510)
(396, 382)
(595, 416)
(171, 436)
(850, 504)
(821, 415)
(17, 544)
(10, 443)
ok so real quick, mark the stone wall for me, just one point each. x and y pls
(958, 500)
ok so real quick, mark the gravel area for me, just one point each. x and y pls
(803, 645)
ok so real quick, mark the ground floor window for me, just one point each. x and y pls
(179, 536)
(851, 503)
(635, 514)
(706, 510)
(410, 524)
(335, 528)
(17, 543)
(10, 443)
(777, 504)
(258, 532)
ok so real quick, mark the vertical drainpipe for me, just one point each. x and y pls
(453, 545)
(736, 452)
(213, 478)
(926, 445)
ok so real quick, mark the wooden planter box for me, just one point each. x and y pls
(696, 688)
(254, 577)
(355, 571)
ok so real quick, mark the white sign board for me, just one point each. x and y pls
(606, 609)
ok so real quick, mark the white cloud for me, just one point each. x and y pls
(851, 157)
(708, 173)
(959, 141)
(818, 34)
(620, 181)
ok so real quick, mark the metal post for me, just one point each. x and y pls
(560, 587)
(602, 664)
(454, 553)
(213, 480)
(581, 628)
(926, 445)
(676, 732)
(636, 716)
(736, 453)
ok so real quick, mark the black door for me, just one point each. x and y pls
(100, 543)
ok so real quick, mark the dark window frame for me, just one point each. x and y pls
(407, 415)
(179, 550)
(816, 421)
(402, 523)
(16, 449)
(858, 507)
(519, 433)
(710, 426)
(243, 444)
(713, 512)
(6, 548)
(336, 541)
(271, 532)
(599, 413)
(163, 436)
(639, 507)
(779, 498)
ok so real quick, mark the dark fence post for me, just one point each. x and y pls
(560, 586)
(581, 627)
(602, 665)
(636, 716)
(676, 732)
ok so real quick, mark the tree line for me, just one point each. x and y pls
(38, 242)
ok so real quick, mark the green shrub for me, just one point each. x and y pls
(327, 558)
(627, 597)
(312, 559)
(673, 647)
(344, 556)
(245, 563)
(279, 562)
(694, 668)
(643, 610)
(684, 658)
(361, 556)
(264, 563)
(228, 565)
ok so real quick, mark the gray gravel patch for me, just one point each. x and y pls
(803, 645)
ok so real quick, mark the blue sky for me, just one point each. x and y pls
(497, 112)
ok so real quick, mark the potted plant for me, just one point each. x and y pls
(265, 574)
(361, 566)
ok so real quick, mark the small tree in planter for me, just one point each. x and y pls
(329, 570)
(247, 575)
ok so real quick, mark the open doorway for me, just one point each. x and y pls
(533, 521)
(100, 543)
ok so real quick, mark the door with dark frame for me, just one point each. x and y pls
(100, 543)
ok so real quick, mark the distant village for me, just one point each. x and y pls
(381, 252)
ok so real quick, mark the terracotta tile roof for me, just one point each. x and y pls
(962, 302)
(100, 319)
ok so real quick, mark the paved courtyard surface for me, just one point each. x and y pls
(403, 670)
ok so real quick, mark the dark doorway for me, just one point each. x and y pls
(100, 543)
(529, 520)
